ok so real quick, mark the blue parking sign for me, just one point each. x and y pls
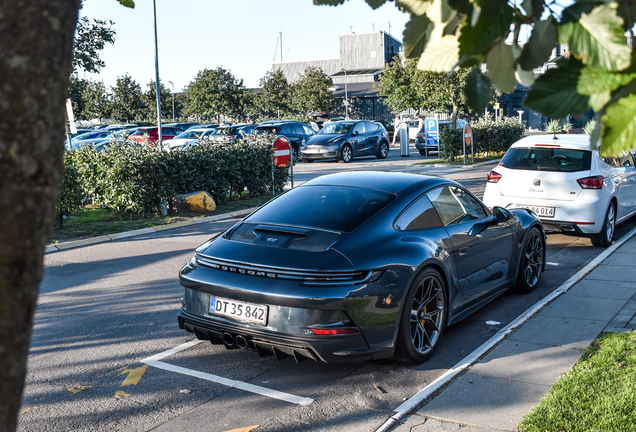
(431, 126)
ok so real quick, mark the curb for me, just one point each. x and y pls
(151, 230)
(478, 164)
(471, 359)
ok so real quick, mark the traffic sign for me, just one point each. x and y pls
(432, 132)
(468, 134)
(282, 151)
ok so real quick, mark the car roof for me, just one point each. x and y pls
(392, 182)
(580, 141)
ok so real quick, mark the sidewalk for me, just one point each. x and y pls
(497, 387)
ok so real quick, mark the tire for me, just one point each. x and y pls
(383, 150)
(531, 262)
(294, 152)
(605, 237)
(423, 152)
(346, 154)
(308, 160)
(423, 318)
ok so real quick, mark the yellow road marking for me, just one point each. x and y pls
(134, 375)
(27, 410)
(244, 429)
(78, 389)
(121, 393)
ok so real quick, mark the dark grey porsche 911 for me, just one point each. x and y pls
(358, 266)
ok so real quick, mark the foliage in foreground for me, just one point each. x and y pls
(598, 394)
(600, 72)
(136, 179)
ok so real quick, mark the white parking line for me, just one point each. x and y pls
(552, 263)
(154, 361)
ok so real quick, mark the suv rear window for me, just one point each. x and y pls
(547, 159)
(327, 207)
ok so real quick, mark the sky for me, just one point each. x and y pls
(239, 35)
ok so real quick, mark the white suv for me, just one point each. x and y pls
(567, 184)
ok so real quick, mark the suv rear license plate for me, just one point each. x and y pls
(546, 212)
(242, 311)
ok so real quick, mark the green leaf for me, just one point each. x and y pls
(539, 47)
(416, 35)
(477, 90)
(127, 3)
(599, 85)
(501, 70)
(526, 78)
(555, 94)
(375, 3)
(461, 6)
(619, 127)
(441, 56)
(329, 2)
(414, 7)
(597, 39)
(493, 24)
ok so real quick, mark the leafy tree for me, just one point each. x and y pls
(149, 98)
(214, 92)
(275, 95)
(127, 102)
(600, 73)
(248, 106)
(76, 89)
(311, 91)
(397, 84)
(443, 93)
(90, 38)
(96, 100)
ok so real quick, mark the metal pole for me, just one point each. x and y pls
(172, 100)
(160, 137)
(346, 98)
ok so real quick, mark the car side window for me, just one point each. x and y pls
(419, 215)
(454, 205)
(308, 131)
(371, 127)
(360, 128)
(287, 130)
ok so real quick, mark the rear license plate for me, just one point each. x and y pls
(239, 310)
(541, 211)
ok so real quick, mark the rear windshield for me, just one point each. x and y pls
(547, 159)
(334, 208)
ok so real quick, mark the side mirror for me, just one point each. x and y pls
(501, 214)
(354, 133)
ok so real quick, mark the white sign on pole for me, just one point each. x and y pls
(70, 120)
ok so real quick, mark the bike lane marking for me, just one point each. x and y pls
(155, 361)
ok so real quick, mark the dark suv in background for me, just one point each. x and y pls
(296, 132)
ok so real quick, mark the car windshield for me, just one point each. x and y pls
(189, 134)
(337, 208)
(336, 128)
(547, 159)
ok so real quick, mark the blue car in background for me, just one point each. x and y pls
(345, 140)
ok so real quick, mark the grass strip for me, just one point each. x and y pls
(598, 394)
(96, 221)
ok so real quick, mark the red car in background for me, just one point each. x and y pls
(153, 134)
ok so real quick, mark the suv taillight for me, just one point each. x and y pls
(595, 182)
(493, 176)
(419, 136)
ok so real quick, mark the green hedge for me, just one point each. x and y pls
(489, 136)
(134, 178)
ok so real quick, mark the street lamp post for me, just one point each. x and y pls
(346, 98)
(172, 100)
(160, 136)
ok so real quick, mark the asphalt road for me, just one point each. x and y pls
(103, 309)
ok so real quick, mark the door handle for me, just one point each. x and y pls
(463, 251)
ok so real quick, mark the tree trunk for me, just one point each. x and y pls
(36, 44)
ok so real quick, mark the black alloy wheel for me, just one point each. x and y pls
(423, 318)
(532, 261)
(346, 154)
(605, 237)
